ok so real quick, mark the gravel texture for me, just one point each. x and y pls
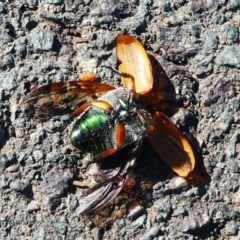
(196, 42)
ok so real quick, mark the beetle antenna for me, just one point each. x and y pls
(122, 74)
(113, 69)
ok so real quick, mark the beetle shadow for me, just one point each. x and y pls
(138, 189)
(162, 96)
(4, 136)
(141, 189)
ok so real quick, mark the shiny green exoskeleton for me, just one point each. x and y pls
(93, 132)
(95, 129)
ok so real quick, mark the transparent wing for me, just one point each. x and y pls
(112, 180)
(62, 94)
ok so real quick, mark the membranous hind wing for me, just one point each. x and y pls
(63, 94)
(114, 173)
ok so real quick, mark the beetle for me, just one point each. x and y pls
(118, 121)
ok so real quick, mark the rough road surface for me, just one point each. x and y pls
(197, 43)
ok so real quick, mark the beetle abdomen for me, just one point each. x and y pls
(93, 132)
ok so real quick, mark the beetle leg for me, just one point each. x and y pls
(79, 110)
(131, 83)
(104, 154)
(101, 104)
(120, 134)
(170, 144)
(87, 77)
(84, 183)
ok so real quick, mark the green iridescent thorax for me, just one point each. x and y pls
(93, 132)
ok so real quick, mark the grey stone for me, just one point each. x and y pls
(231, 228)
(72, 203)
(164, 208)
(51, 17)
(6, 38)
(38, 155)
(3, 8)
(234, 167)
(196, 222)
(210, 41)
(134, 25)
(105, 20)
(233, 5)
(180, 212)
(7, 80)
(41, 40)
(8, 60)
(40, 235)
(61, 227)
(20, 44)
(236, 136)
(152, 233)
(139, 222)
(33, 206)
(219, 18)
(37, 136)
(164, 5)
(174, 21)
(120, 223)
(228, 34)
(224, 123)
(3, 181)
(54, 157)
(203, 69)
(158, 186)
(135, 213)
(53, 1)
(18, 186)
(229, 56)
(142, 12)
(15, 23)
(32, 3)
(4, 160)
(54, 184)
(24, 71)
(104, 54)
(193, 29)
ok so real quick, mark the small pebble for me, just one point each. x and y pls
(152, 233)
(12, 168)
(180, 182)
(135, 213)
(33, 206)
(139, 222)
(231, 228)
